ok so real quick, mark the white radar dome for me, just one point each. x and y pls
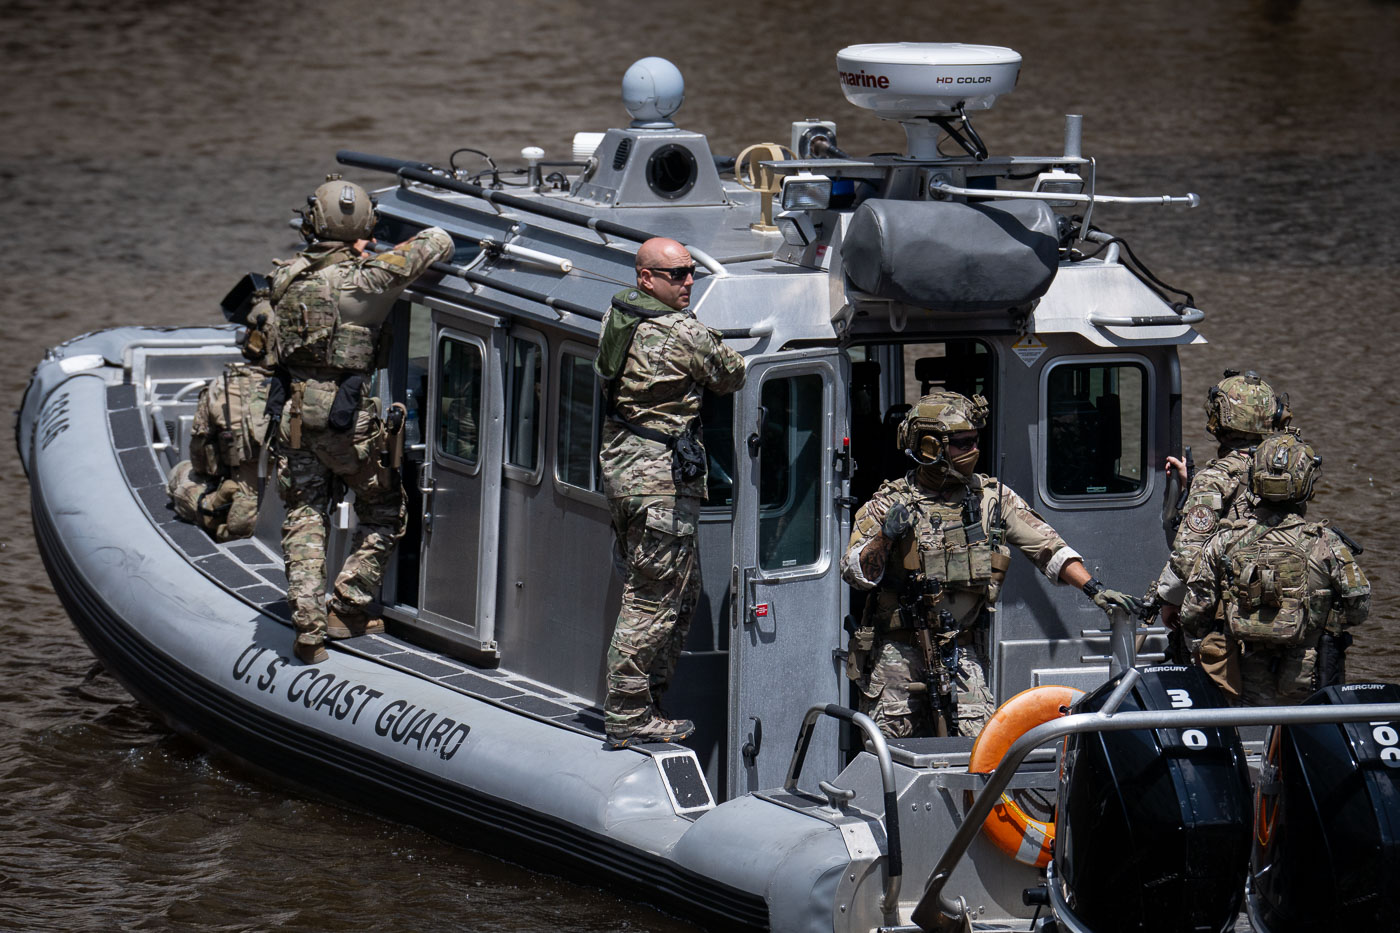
(911, 80)
(652, 90)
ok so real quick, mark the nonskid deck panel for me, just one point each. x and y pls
(247, 571)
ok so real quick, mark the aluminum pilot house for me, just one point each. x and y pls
(852, 286)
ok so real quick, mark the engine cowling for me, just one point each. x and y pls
(1154, 824)
(1326, 851)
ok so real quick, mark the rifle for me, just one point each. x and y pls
(1174, 498)
(917, 603)
(1331, 658)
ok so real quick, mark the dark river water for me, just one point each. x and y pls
(151, 152)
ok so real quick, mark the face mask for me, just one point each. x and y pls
(966, 463)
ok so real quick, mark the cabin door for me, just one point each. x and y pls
(789, 528)
(460, 484)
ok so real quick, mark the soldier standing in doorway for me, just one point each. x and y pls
(657, 361)
(935, 546)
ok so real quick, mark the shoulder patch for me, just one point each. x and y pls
(1200, 519)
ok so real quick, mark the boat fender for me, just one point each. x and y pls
(1008, 826)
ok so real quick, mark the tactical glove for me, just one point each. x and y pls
(1109, 600)
(897, 522)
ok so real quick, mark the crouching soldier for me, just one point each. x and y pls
(219, 487)
(935, 546)
(1286, 588)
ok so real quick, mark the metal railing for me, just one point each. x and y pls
(894, 861)
(938, 911)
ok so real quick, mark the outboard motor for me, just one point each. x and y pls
(1327, 837)
(1153, 824)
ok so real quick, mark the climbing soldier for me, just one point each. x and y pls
(330, 303)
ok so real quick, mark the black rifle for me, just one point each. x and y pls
(918, 604)
(1332, 658)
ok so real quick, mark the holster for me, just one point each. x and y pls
(294, 415)
(393, 422)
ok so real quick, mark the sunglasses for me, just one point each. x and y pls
(677, 274)
(962, 443)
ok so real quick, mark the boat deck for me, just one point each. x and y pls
(248, 570)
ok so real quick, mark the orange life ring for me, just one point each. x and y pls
(1009, 827)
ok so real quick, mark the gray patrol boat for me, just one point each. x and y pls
(852, 286)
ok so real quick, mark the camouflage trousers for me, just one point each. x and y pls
(243, 502)
(303, 480)
(1277, 676)
(885, 696)
(656, 536)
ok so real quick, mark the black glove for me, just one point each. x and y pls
(897, 522)
(1108, 600)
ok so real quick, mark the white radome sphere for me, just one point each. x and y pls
(652, 90)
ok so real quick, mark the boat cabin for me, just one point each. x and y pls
(852, 286)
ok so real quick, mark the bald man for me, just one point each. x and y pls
(657, 361)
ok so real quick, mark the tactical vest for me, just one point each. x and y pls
(948, 550)
(230, 420)
(310, 332)
(1266, 597)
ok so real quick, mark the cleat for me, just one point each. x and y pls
(655, 729)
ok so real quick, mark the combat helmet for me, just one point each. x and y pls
(1285, 468)
(339, 210)
(1245, 404)
(924, 432)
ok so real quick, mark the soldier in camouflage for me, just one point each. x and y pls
(657, 361)
(330, 303)
(935, 546)
(1241, 410)
(1279, 586)
(219, 486)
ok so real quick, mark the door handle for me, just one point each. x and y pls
(427, 486)
(755, 440)
(751, 610)
(755, 743)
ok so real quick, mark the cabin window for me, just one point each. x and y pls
(580, 404)
(459, 399)
(524, 403)
(1096, 429)
(415, 394)
(790, 472)
(717, 429)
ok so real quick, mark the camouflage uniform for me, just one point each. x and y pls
(1276, 616)
(886, 655)
(1241, 410)
(672, 360)
(330, 305)
(218, 487)
(1218, 493)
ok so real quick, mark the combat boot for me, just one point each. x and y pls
(655, 729)
(351, 625)
(308, 653)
